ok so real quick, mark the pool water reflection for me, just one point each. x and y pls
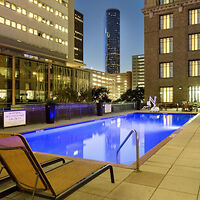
(100, 139)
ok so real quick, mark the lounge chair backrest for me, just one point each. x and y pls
(20, 162)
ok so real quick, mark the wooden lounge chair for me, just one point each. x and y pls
(24, 168)
(44, 160)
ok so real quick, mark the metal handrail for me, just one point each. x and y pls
(137, 147)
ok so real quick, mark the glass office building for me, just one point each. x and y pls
(112, 41)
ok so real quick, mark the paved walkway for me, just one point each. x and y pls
(173, 173)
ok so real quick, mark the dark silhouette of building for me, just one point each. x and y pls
(78, 36)
(112, 49)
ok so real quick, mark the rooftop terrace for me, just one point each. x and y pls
(173, 172)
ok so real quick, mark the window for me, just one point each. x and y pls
(166, 21)
(194, 16)
(194, 68)
(166, 45)
(13, 7)
(8, 22)
(7, 4)
(166, 70)
(19, 10)
(2, 2)
(166, 94)
(30, 30)
(35, 32)
(30, 15)
(23, 28)
(19, 26)
(13, 24)
(2, 20)
(23, 11)
(194, 42)
(166, 1)
(39, 18)
(194, 93)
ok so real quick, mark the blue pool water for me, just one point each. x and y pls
(100, 139)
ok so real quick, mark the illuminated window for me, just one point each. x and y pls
(194, 16)
(166, 1)
(2, 2)
(166, 45)
(35, 32)
(23, 28)
(30, 14)
(194, 42)
(13, 24)
(35, 17)
(56, 13)
(166, 21)
(31, 1)
(23, 11)
(194, 68)
(166, 94)
(13, 7)
(39, 19)
(166, 70)
(39, 5)
(194, 93)
(30, 30)
(48, 9)
(44, 35)
(2, 20)
(19, 10)
(35, 2)
(19, 26)
(56, 26)
(7, 22)
(7, 4)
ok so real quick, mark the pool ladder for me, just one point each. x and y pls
(137, 148)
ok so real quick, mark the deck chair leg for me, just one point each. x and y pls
(112, 175)
(1, 169)
(35, 186)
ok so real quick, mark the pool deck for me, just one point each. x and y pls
(173, 172)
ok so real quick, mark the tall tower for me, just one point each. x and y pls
(112, 43)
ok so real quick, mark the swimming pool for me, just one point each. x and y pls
(100, 139)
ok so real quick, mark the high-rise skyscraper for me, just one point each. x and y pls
(138, 71)
(112, 43)
(78, 36)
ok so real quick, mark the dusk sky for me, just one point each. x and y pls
(132, 31)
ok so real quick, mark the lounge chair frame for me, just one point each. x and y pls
(41, 174)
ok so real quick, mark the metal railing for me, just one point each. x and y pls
(137, 148)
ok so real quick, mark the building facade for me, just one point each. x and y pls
(172, 50)
(123, 83)
(117, 84)
(138, 71)
(112, 41)
(78, 36)
(37, 50)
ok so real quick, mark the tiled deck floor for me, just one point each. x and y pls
(173, 173)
